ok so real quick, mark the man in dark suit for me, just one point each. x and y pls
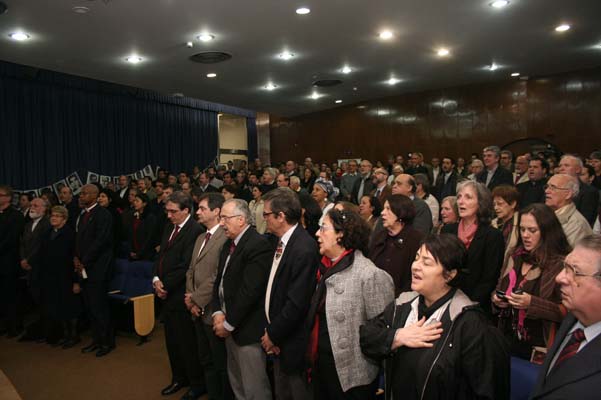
(493, 174)
(11, 226)
(533, 191)
(405, 184)
(587, 199)
(381, 190)
(66, 199)
(572, 369)
(238, 301)
(446, 183)
(200, 279)
(288, 296)
(169, 283)
(363, 185)
(204, 185)
(93, 261)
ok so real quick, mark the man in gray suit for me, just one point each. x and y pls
(199, 293)
(405, 184)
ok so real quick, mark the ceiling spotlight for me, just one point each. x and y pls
(562, 28)
(286, 55)
(270, 86)
(189, 44)
(386, 35)
(205, 37)
(355, 89)
(19, 36)
(515, 74)
(211, 75)
(303, 10)
(499, 3)
(315, 96)
(393, 81)
(338, 101)
(442, 52)
(346, 70)
(493, 67)
(133, 59)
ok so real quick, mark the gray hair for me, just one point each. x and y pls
(484, 213)
(182, 199)
(494, 149)
(294, 179)
(509, 153)
(573, 157)
(477, 162)
(572, 183)
(591, 242)
(240, 208)
(271, 171)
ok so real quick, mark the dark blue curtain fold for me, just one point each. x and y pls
(52, 124)
(251, 132)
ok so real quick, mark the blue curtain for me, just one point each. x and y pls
(52, 124)
(251, 132)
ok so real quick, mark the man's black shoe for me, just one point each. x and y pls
(193, 394)
(103, 351)
(90, 348)
(172, 388)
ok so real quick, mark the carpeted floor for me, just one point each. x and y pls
(41, 372)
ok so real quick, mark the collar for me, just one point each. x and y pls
(213, 229)
(492, 171)
(590, 332)
(237, 240)
(184, 223)
(91, 207)
(286, 236)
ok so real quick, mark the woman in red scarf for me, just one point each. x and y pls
(350, 291)
(528, 319)
(485, 245)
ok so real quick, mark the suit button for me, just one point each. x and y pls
(339, 290)
(340, 316)
(343, 343)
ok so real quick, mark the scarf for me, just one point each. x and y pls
(533, 273)
(466, 233)
(326, 269)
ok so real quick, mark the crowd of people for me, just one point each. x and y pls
(307, 281)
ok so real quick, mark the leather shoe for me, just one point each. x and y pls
(70, 343)
(90, 348)
(103, 351)
(172, 388)
(193, 394)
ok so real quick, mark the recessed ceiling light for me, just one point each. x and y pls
(315, 95)
(499, 3)
(515, 74)
(355, 89)
(286, 55)
(361, 107)
(338, 101)
(133, 59)
(393, 81)
(442, 52)
(346, 70)
(205, 37)
(386, 35)
(189, 44)
(270, 86)
(19, 36)
(562, 28)
(211, 75)
(303, 10)
(80, 10)
(493, 67)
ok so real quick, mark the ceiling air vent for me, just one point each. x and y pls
(210, 57)
(327, 82)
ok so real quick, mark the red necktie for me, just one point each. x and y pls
(232, 248)
(571, 347)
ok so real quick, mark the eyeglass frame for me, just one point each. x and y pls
(574, 273)
(323, 228)
(228, 217)
(553, 187)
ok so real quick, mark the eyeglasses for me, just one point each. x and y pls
(323, 228)
(227, 217)
(571, 271)
(553, 187)
(266, 214)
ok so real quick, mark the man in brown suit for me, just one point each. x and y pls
(199, 293)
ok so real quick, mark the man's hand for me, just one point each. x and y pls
(218, 328)
(76, 288)
(196, 311)
(160, 290)
(268, 345)
(188, 301)
(77, 265)
(25, 265)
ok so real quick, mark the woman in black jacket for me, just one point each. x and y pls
(485, 245)
(438, 343)
(140, 229)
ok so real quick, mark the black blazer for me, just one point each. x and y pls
(500, 177)
(244, 286)
(144, 236)
(291, 293)
(587, 202)
(11, 226)
(94, 244)
(483, 265)
(578, 378)
(367, 188)
(442, 189)
(175, 260)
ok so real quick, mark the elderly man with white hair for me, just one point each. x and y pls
(560, 191)
(587, 200)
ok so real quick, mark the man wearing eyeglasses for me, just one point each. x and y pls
(560, 192)
(238, 301)
(169, 284)
(572, 369)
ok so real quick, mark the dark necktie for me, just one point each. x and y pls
(171, 239)
(204, 243)
(279, 250)
(232, 248)
(571, 347)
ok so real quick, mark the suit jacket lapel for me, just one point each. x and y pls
(238, 249)
(210, 244)
(181, 232)
(282, 263)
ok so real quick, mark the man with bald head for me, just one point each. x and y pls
(520, 173)
(405, 184)
(93, 259)
(587, 199)
(560, 191)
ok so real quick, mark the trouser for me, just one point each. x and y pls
(290, 386)
(97, 307)
(246, 370)
(327, 385)
(9, 304)
(212, 356)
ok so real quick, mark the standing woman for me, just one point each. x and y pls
(60, 284)
(350, 291)
(530, 318)
(485, 246)
(308, 179)
(369, 210)
(449, 213)
(256, 209)
(505, 203)
(106, 199)
(324, 194)
(140, 230)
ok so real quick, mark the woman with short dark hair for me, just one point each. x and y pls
(140, 231)
(438, 343)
